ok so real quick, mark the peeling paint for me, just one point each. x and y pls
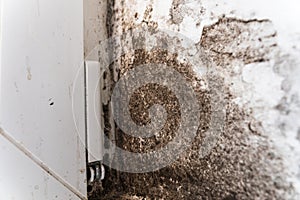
(251, 159)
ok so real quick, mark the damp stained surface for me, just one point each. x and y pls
(234, 169)
(245, 163)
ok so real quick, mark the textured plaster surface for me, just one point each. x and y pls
(257, 53)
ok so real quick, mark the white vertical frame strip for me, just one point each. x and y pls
(93, 107)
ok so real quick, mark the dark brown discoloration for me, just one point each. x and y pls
(234, 169)
(230, 39)
(243, 165)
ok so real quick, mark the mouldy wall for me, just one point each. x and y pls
(261, 92)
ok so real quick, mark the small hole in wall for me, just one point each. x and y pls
(51, 103)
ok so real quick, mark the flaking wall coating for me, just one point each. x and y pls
(246, 163)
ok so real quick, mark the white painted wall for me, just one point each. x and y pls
(259, 87)
(41, 52)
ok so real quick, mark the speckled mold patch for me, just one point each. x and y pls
(244, 164)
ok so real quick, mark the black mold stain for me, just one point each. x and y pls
(235, 168)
